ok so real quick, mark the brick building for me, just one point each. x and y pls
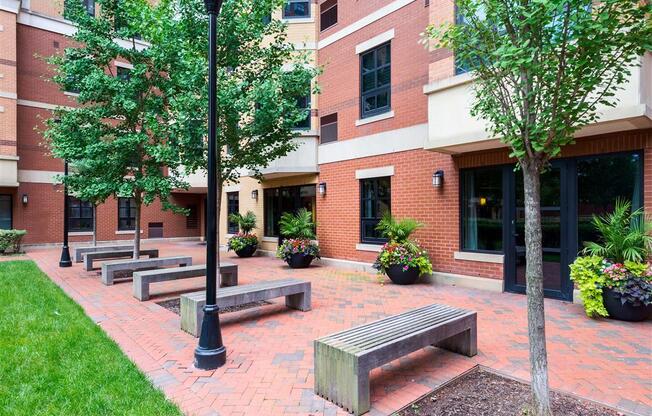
(392, 114)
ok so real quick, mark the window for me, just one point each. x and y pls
(80, 215)
(123, 74)
(327, 14)
(375, 81)
(328, 128)
(375, 201)
(296, 9)
(5, 212)
(232, 207)
(304, 103)
(280, 200)
(126, 214)
(192, 220)
(89, 6)
(482, 209)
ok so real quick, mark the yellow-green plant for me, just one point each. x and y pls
(586, 272)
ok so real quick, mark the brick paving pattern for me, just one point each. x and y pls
(269, 368)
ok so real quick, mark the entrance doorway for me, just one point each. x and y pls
(278, 201)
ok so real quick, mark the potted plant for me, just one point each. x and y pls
(401, 258)
(244, 243)
(614, 277)
(298, 248)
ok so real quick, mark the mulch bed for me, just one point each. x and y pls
(482, 393)
(174, 305)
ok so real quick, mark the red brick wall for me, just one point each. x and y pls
(413, 196)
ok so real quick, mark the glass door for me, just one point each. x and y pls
(554, 222)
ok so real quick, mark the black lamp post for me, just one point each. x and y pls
(210, 353)
(65, 252)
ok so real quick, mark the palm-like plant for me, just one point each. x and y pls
(397, 231)
(246, 222)
(624, 235)
(299, 225)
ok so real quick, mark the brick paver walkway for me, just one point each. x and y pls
(269, 368)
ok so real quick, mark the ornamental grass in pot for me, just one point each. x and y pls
(613, 274)
(298, 248)
(244, 243)
(401, 258)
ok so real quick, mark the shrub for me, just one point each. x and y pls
(400, 249)
(624, 235)
(241, 240)
(297, 226)
(246, 222)
(292, 246)
(11, 240)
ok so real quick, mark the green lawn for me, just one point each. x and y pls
(55, 361)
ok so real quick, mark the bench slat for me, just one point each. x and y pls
(110, 267)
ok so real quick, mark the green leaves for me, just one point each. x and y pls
(586, 272)
(297, 226)
(397, 231)
(246, 222)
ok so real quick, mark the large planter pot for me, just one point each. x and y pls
(403, 277)
(300, 260)
(626, 311)
(248, 251)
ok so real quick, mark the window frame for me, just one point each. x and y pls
(308, 119)
(322, 12)
(289, 2)
(76, 203)
(130, 209)
(11, 211)
(376, 90)
(363, 221)
(232, 227)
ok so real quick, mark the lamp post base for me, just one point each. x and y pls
(65, 260)
(210, 354)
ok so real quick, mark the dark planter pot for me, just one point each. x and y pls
(248, 251)
(403, 277)
(300, 260)
(624, 312)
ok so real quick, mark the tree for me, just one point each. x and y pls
(541, 70)
(120, 139)
(260, 79)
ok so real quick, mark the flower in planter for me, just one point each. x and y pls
(299, 232)
(240, 241)
(291, 246)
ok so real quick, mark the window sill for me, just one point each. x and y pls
(119, 232)
(270, 239)
(298, 20)
(447, 83)
(479, 257)
(376, 248)
(373, 119)
(71, 94)
(79, 233)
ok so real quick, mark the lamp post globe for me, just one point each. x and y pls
(210, 353)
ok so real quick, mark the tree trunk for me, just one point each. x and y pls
(534, 285)
(94, 225)
(138, 200)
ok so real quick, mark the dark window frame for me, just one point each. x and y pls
(325, 123)
(290, 17)
(376, 91)
(277, 193)
(11, 210)
(76, 205)
(306, 123)
(330, 8)
(362, 199)
(130, 218)
(232, 207)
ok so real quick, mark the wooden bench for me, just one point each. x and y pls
(142, 280)
(296, 292)
(343, 360)
(78, 252)
(109, 268)
(90, 258)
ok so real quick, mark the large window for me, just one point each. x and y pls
(280, 200)
(232, 207)
(375, 200)
(375, 81)
(126, 214)
(80, 215)
(5, 212)
(296, 9)
(482, 209)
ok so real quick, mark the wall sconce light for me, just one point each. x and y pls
(24, 199)
(254, 194)
(322, 188)
(438, 179)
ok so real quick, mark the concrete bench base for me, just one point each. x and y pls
(78, 252)
(343, 360)
(90, 258)
(109, 268)
(142, 280)
(296, 292)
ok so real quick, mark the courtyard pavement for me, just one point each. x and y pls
(269, 368)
